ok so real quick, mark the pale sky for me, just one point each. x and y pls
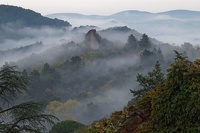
(102, 7)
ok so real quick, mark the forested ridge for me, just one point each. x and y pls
(83, 84)
(26, 17)
(67, 84)
(17, 23)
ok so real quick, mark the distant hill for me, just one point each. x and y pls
(28, 18)
(182, 13)
(175, 26)
(74, 15)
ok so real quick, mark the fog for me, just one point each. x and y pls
(104, 105)
(20, 42)
(176, 26)
(23, 36)
(58, 46)
(97, 79)
(99, 22)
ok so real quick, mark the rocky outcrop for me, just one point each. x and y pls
(95, 42)
(93, 39)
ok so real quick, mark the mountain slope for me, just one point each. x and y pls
(26, 17)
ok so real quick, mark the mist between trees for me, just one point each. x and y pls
(78, 81)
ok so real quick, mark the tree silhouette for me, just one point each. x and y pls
(149, 81)
(145, 43)
(132, 43)
(24, 117)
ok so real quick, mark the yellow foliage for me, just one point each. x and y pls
(89, 94)
(53, 106)
(63, 110)
(69, 104)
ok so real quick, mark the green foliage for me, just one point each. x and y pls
(43, 82)
(179, 55)
(24, 117)
(73, 64)
(46, 69)
(147, 56)
(12, 82)
(159, 55)
(149, 81)
(175, 107)
(75, 59)
(145, 42)
(150, 57)
(168, 105)
(132, 43)
(67, 126)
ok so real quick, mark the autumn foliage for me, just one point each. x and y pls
(172, 106)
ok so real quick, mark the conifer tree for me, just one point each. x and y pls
(145, 42)
(149, 81)
(175, 105)
(132, 43)
(24, 117)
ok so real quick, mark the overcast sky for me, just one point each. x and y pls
(102, 7)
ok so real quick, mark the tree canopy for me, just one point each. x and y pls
(175, 106)
(67, 126)
(169, 105)
(149, 81)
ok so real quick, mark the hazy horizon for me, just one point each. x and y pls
(103, 7)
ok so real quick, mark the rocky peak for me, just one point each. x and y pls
(93, 39)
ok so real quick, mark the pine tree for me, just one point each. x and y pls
(149, 81)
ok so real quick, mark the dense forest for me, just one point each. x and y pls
(100, 81)
(17, 23)
(164, 103)
(29, 18)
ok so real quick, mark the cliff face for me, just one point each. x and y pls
(92, 39)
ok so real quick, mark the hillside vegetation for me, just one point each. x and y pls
(83, 75)
(25, 17)
(171, 106)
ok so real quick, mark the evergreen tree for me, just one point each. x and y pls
(24, 117)
(145, 42)
(46, 69)
(175, 104)
(159, 55)
(132, 43)
(148, 58)
(35, 81)
(149, 81)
